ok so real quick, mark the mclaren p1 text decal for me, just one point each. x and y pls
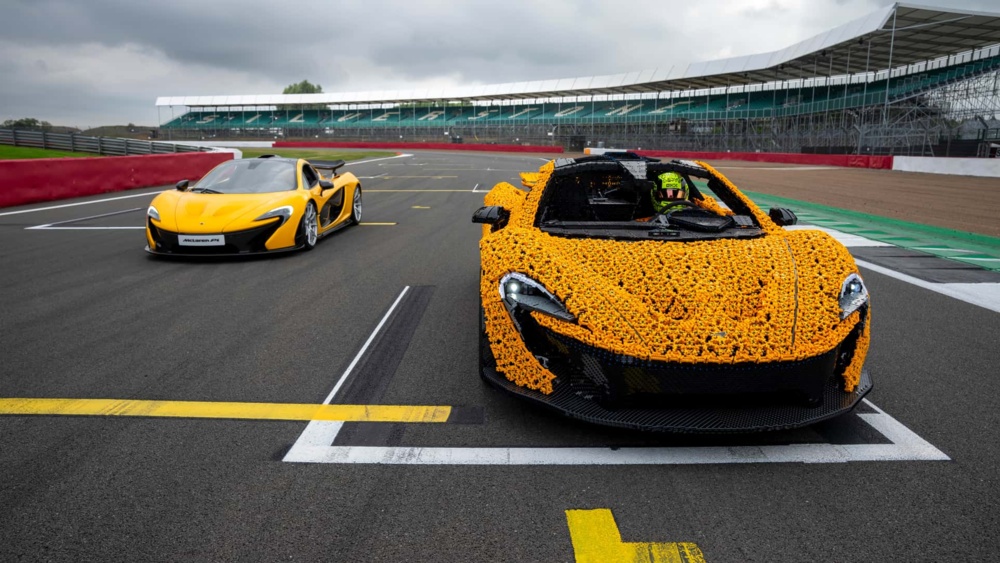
(201, 240)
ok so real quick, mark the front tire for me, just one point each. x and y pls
(356, 207)
(309, 227)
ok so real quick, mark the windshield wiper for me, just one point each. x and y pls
(205, 191)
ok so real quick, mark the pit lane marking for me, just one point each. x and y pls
(51, 225)
(242, 411)
(52, 228)
(47, 228)
(404, 155)
(319, 434)
(596, 539)
(432, 177)
(985, 295)
(905, 446)
(4, 214)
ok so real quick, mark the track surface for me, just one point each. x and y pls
(87, 314)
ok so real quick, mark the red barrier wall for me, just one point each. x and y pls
(47, 179)
(847, 160)
(424, 146)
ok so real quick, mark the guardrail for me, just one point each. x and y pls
(108, 146)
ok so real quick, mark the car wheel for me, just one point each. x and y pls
(356, 206)
(309, 228)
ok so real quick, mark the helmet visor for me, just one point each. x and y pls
(670, 193)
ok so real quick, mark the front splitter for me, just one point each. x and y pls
(701, 419)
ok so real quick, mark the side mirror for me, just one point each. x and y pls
(325, 184)
(491, 215)
(182, 185)
(782, 217)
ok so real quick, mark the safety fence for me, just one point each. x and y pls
(107, 146)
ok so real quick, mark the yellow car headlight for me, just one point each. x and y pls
(520, 291)
(853, 295)
(153, 213)
(285, 211)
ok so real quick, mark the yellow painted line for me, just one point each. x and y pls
(376, 224)
(249, 411)
(420, 207)
(433, 177)
(596, 539)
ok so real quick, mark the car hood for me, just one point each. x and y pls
(707, 301)
(189, 212)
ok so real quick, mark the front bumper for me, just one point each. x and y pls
(602, 388)
(249, 241)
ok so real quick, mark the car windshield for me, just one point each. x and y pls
(249, 176)
(597, 198)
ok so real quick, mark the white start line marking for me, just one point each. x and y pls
(314, 446)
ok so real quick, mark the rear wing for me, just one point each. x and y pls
(331, 165)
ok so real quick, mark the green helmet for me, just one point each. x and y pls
(671, 190)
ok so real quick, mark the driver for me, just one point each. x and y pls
(672, 190)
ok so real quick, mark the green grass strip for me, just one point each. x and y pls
(876, 220)
(8, 152)
(900, 233)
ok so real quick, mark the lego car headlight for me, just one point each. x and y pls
(285, 211)
(153, 213)
(853, 295)
(520, 291)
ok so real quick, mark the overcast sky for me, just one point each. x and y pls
(101, 62)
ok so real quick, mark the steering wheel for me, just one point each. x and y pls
(684, 206)
(684, 203)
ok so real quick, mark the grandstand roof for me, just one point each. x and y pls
(890, 37)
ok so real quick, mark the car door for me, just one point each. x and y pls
(330, 201)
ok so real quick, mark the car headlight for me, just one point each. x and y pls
(853, 295)
(520, 291)
(285, 211)
(152, 212)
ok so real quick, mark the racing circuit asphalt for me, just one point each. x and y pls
(87, 314)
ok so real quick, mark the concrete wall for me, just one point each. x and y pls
(423, 146)
(988, 167)
(48, 179)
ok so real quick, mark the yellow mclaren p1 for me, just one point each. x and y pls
(247, 206)
(710, 317)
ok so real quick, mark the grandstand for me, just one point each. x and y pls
(906, 79)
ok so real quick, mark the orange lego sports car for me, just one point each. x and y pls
(711, 317)
(246, 206)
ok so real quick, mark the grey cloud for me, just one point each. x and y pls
(353, 45)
